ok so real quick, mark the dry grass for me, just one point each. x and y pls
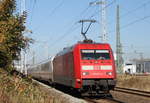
(14, 89)
(132, 81)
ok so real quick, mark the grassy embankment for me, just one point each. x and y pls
(132, 81)
(14, 89)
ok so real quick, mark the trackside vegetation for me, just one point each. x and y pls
(134, 81)
(14, 89)
(17, 89)
(12, 40)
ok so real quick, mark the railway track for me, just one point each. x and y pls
(101, 100)
(133, 91)
(117, 100)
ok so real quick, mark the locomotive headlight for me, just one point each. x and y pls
(85, 73)
(109, 73)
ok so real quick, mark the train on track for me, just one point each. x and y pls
(88, 67)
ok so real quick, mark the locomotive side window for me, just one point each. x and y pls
(95, 55)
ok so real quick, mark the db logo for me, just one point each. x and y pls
(97, 67)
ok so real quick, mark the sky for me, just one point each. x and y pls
(54, 25)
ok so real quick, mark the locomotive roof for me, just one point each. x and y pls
(68, 49)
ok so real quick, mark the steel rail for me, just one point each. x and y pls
(133, 91)
(115, 100)
(107, 98)
(90, 100)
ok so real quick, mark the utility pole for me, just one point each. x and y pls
(119, 61)
(103, 35)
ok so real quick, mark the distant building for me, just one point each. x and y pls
(129, 68)
(137, 66)
(143, 66)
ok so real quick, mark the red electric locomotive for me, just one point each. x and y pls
(88, 67)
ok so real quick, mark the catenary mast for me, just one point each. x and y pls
(23, 54)
(103, 21)
(119, 58)
(103, 33)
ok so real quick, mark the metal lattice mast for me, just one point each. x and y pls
(23, 54)
(103, 22)
(119, 59)
(103, 33)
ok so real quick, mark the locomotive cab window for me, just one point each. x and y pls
(95, 54)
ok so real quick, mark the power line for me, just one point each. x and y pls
(57, 7)
(32, 11)
(135, 9)
(131, 11)
(71, 29)
(53, 11)
(133, 22)
(76, 18)
(83, 12)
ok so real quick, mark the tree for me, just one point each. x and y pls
(12, 40)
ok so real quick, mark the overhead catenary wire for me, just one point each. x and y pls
(84, 11)
(72, 22)
(132, 11)
(133, 22)
(71, 29)
(135, 9)
(65, 34)
(129, 12)
(32, 11)
(57, 7)
(60, 3)
(97, 12)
